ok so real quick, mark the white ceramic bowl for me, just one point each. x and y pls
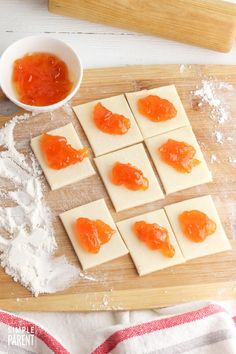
(46, 44)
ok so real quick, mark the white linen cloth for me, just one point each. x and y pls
(196, 328)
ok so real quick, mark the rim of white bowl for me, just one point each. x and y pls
(54, 105)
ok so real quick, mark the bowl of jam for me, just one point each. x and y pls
(40, 73)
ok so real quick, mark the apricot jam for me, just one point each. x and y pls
(179, 155)
(58, 153)
(41, 79)
(196, 225)
(92, 234)
(156, 109)
(129, 176)
(108, 122)
(155, 236)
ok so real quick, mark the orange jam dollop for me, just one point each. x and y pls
(58, 153)
(41, 79)
(196, 225)
(155, 236)
(179, 155)
(156, 108)
(108, 122)
(91, 234)
(129, 176)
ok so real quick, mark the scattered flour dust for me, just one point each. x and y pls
(26, 253)
(218, 137)
(209, 92)
(232, 160)
(214, 158)
(181, 68)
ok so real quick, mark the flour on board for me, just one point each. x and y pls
(209, 92)
(218, 137)
(27, 242)
(181, 68)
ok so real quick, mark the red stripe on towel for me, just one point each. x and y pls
(17, 322)
(111, 342)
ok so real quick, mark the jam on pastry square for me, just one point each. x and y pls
(172, 179)
(150, 128)
(97, 210)
(145, 259)
(67, 175)
(103, 143)
(123, 198)
(214, 243)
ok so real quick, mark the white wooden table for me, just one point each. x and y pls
(98, 46)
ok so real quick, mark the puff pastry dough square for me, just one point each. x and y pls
(217, 242)
(67, 175)
(173, 180)
(96, 210)
(103, 143)
(149, 128)
(122, 197)
(145, 259)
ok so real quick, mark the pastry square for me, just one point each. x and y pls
(145, 259)
(149, 128)
(123, 198)
(217, 242)
(173, 180)
(101, 142)
(67, 175)
(114, 248)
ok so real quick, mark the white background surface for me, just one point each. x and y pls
(98, 46)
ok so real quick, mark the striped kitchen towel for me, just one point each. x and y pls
(196, 328)
(20, 336)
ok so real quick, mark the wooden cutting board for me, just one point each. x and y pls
(116, 285)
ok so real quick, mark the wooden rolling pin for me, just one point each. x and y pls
(210, 23)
